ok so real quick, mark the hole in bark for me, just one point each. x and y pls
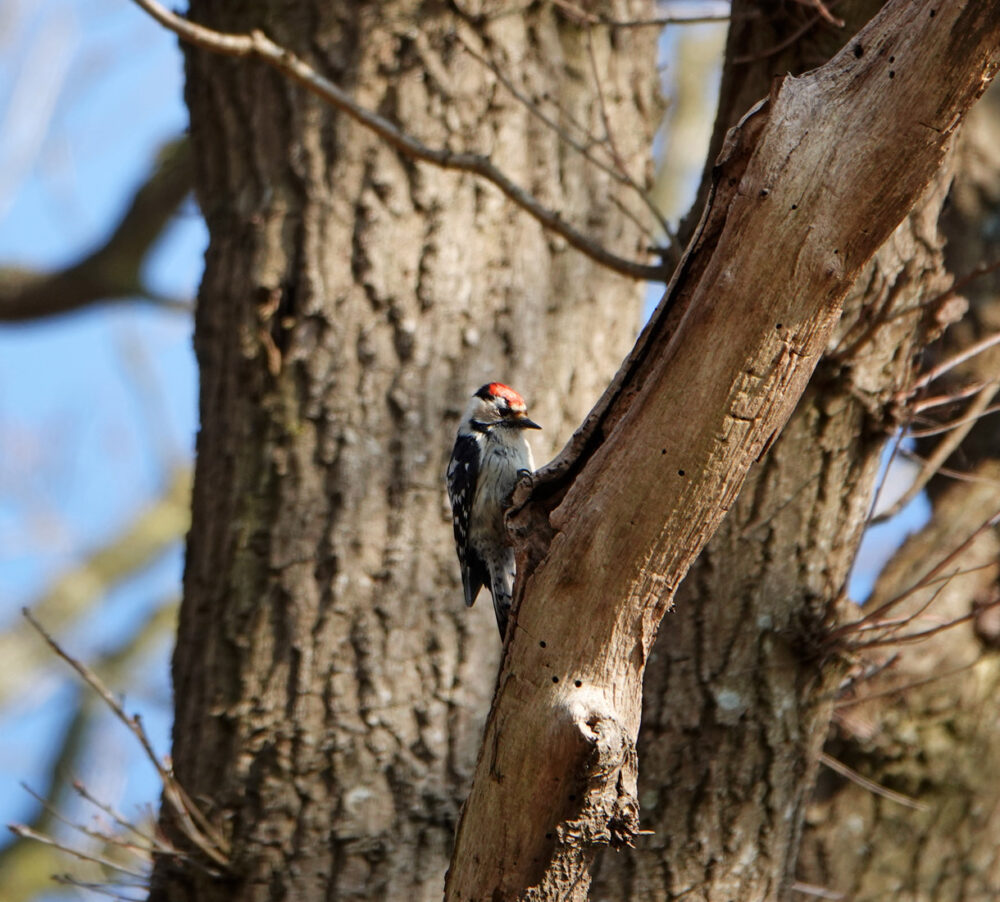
(859, 51)
(892, 74)
(572, 796)
(795, 206)
(764, 192)
(777, 325)
(892, 59)
(541, 644)
(555, 679)
(680, 472)
(578, 683)
(663, 450)
(933, 13)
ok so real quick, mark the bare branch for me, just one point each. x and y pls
(949, 364)
(617, 172)
(257, 45)
(840, 768)
(749, 310)
(945, 448)
(202, 834)
(113, 270)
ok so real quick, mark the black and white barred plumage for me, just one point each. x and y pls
(490, 452)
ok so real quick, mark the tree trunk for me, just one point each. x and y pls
(330, 686)
(927, 726)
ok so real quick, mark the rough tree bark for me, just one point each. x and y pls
(330, 685)
(927, 726)
(843, 144)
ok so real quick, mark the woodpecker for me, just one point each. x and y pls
(490, 453)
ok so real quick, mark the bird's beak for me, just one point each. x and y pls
(522, 422)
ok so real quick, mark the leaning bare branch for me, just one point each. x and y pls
(258, 46)
(191, 821)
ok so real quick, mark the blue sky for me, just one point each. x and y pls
(94, 407)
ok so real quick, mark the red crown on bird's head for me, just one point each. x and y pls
(499, 390)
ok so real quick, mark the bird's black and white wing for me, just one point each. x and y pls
(462, 474)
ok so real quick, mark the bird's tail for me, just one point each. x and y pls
(501, 588)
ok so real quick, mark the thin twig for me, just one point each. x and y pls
(121, 821)
(257, 45)
(949, 364)
(888, 693)
(877, 495)
(944, 449)
(617, 173)
(924, 635)
(823, 11)
(932, 576)
(202, 834)
(787, 42)
(106, 839)
(925, 404)
(947, 427)
(840, 768)
(20, 830)
(616, 155)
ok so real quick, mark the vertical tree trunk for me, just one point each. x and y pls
(927, 726)
(330, 686)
